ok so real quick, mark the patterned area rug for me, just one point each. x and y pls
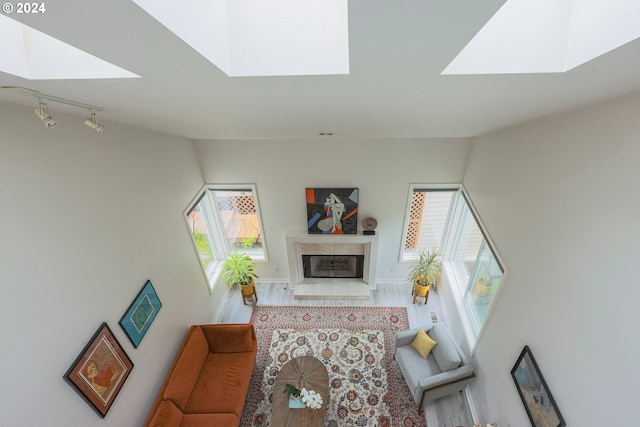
(366, 386)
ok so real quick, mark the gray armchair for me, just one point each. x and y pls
(445, 371)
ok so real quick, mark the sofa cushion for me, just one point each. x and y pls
(230, 338)
(167, 415)
(223, 384)
(187, 369)
(445, 352)
(210, 420)
(423, 343)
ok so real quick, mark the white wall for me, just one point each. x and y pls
(381, 168)
(559, 198)
(85, 220)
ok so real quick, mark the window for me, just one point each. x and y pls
(476, 268)
(468, 240)
(483, 285)
(197, 221)
(427, 220)
(442, 218)
(222, 219)
(240, 222)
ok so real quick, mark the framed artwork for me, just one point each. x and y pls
(536, 397)
(140, 314)
(332, 210)
(100, 370)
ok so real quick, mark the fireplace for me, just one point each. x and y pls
(332, 266)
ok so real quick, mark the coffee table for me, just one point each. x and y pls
(303, 371)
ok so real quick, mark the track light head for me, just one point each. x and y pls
(42, 111)
(43, 114)
(92, 122)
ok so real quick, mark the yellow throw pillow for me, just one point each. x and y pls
(423, 343)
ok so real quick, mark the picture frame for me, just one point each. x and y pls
(332, 210)
(141, 313)
(100, 370)
(534, 392)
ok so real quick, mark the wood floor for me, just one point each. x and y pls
(449, 411)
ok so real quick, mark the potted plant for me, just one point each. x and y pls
(482, 286)
(238, 268)
(425, 272)
(483, 283)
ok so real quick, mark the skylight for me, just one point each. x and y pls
(548, 36)
(262, 38)
(33, 55)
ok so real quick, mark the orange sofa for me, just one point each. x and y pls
(209, 379)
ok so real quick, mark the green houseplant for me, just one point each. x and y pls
(238, 268)
(427, 269)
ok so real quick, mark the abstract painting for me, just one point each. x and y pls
(140, 314)
(535, 395)
(332, 210)
(100, 370)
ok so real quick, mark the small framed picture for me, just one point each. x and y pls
(100, 370)
(140, 314)
(536, 397)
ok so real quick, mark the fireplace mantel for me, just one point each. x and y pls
(302, 243)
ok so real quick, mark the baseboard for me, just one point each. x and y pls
(472, 406)
(222, 309)
(389, 282)
(270, 280)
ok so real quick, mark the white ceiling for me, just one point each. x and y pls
(397, 51)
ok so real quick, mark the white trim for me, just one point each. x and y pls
(219, 240)
(485, 233)
(405, 228)
(471, 405)
(458, 299)
(491, 308)
(399, 282)
(453, 223)
(471, 336)
(222, 308)
(270, 280)
(199, 195)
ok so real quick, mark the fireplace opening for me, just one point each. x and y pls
(333, 266)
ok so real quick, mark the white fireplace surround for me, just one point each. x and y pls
(302, 243)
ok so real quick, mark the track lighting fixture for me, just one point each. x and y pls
(43, 114)
(42, 110)
(92, 122)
